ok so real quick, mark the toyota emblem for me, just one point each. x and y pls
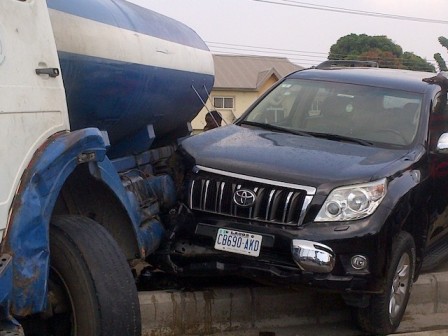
(244, 198)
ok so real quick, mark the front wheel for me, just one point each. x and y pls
(386, 310)
(91, 289)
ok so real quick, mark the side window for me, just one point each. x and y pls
(225, 105)
(224, 102)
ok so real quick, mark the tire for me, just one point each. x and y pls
(91, 290)
(385, 311)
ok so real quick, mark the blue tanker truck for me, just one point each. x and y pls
(94, 97)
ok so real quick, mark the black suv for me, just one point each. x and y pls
(335, 178)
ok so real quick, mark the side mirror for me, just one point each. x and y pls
(442, 144)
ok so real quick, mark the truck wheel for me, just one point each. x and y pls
(91, 289)
(385, 311)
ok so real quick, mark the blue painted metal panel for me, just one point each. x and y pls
(5, 281)
(7, 322)
(130, 95)
(121, 98)
(27, 237)
(129, 16)
(149, 233)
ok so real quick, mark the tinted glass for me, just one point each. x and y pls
(378, 115)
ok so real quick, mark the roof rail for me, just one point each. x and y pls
(347, 64)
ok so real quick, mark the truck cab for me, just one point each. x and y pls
(33, 105)
(94, 97)
(32, 108)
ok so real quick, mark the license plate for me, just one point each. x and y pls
(238, 242)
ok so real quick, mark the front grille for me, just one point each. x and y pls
(213, 191)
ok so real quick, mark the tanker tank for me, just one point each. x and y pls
(126, 68)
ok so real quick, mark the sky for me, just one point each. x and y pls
(287, 28)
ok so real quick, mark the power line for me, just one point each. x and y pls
(296, 56)
(299, 57)
(304, 62)
(278, 53)
(292, 3)
(264, 48)
(298, 61)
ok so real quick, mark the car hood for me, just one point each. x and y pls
(291, 158)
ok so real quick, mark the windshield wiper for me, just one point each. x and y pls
(274, 128)
(342, 138)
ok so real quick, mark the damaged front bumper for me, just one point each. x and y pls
(322, 256)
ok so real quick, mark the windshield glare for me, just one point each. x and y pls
(378, 115)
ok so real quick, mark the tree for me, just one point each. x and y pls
(385, 59)
(440, 62)
(443, 41)
(439, 59)
(377, 48)
(411, 61)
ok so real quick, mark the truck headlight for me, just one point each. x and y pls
(352, 202)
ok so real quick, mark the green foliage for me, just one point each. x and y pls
(411, 61)
(353, 45)
(385, 59)
(440, 62)
(443, 41)
(439, 59)
(377, 48)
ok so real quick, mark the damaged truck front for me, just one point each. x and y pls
(335, 178)
(94, 95)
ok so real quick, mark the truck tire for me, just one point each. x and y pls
(91, 290)
(385, 311)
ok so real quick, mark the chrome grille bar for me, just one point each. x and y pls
(287, 204)
(276, 204)
(204, 205)
(269, 206)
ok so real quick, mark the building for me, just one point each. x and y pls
(239, 80)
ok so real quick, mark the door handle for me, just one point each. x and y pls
(52, 72)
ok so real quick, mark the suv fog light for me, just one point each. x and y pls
(359, 262)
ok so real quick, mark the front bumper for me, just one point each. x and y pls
(324, 255)
(312, 256)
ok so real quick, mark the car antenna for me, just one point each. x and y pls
(208, 97)
(204, 103)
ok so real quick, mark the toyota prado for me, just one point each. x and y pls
(336, 178)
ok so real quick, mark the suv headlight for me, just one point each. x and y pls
(352, 202)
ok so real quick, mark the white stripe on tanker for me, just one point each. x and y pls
(73, 34)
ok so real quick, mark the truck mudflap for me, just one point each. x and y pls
(27, 237)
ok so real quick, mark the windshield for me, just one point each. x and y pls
(376, 115)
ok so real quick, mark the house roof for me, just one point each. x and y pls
(249, 72)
